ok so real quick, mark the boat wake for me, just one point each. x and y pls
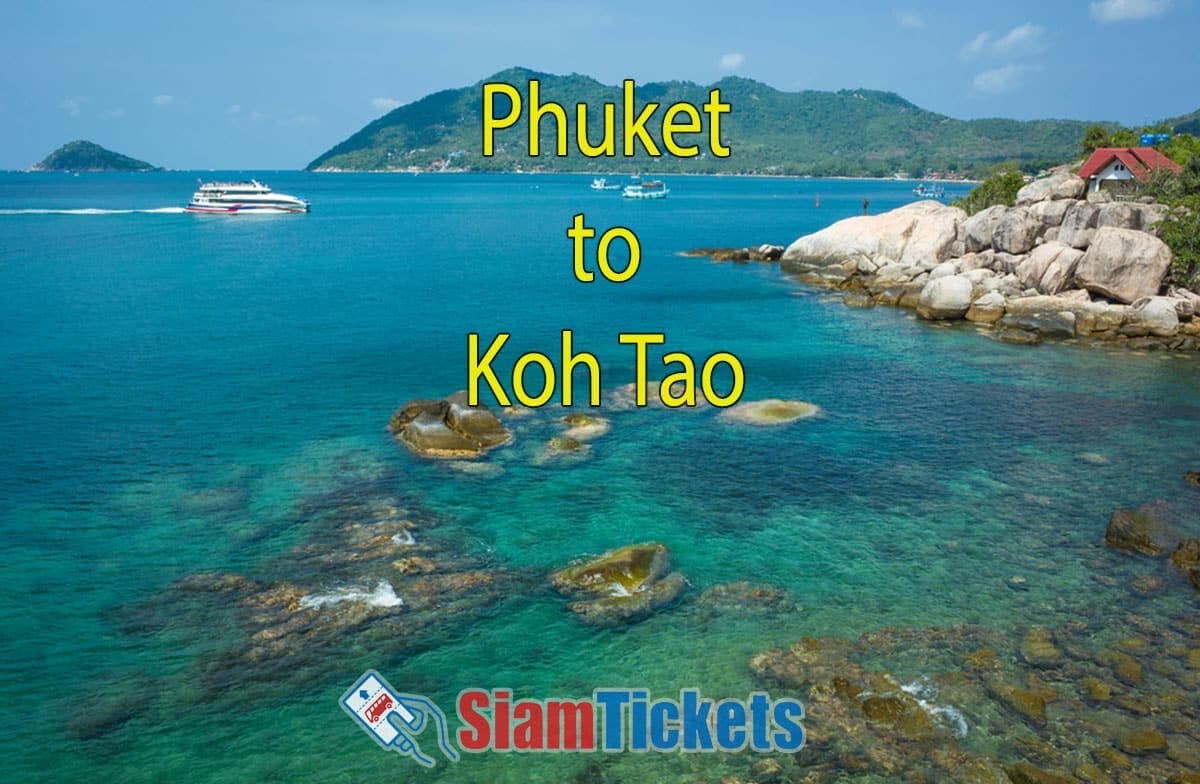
(97, 211)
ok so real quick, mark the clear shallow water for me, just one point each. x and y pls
(184, 394)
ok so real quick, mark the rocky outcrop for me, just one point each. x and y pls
(1052, 188)
(1123, 264)
(1055, 265)
(621, 586)
(921, 233)
(448, 428)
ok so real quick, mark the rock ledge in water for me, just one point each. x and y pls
(448, 428)
(621, 586)
(770, 412)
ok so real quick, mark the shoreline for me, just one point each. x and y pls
(1056, 266)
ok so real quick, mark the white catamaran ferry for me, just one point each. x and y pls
(238, 197)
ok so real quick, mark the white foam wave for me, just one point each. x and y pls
(97, 211)
(925, 693)
(384, 595)
(404, 538)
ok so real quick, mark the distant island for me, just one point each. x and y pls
(846, 133)
(88, 156)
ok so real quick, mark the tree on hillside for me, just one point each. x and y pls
(1000, 188)
(1094, 137)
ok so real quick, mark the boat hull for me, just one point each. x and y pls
(244, 209)
(655, 194)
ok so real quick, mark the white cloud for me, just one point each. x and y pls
(731, 61)
(910, 19)
(1022, 38)
(977, 46)
(164, 100)
(999, 80)
(74, 105)
(1128, 10)
(384, 104)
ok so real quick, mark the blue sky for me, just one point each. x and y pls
(266, 84)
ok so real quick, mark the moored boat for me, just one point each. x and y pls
(929, 191)
(602, 184)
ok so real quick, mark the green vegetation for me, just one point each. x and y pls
(1181, 228)
(999, 188)
(847, 133)
(88, 156)
(1181, 232)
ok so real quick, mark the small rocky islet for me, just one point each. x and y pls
(1061, 263)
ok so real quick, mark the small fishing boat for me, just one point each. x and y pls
(602, 184)
(928, 190)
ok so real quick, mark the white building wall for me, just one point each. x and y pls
(1114, 171)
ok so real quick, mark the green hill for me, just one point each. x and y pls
(850, 132)
(90, 157)
(1188, 123)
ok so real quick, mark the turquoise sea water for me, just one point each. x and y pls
(186, 394)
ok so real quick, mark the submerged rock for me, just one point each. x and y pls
(1139, 531)
(770, 412)
(1038, 649)
(743, 595)
(1187, 558)
(448, 428)
(620, 586)
(1144, 742)
(584, 427)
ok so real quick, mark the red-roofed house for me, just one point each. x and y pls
(1113, 165)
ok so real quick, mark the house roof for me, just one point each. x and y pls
(1139, 160)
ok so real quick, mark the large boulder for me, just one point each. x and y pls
(1062, 185)
(922, 233)
(447, 428)
(1017, 231)
(945, 298)
(988, 309)
(1130, 215)
(1079, 224)
(1041, 318)
(1060, 273)
(621, 586)
(1051, 213)
(981, 226)
(1033, 268)
(1154, 316)
(1123, 265)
